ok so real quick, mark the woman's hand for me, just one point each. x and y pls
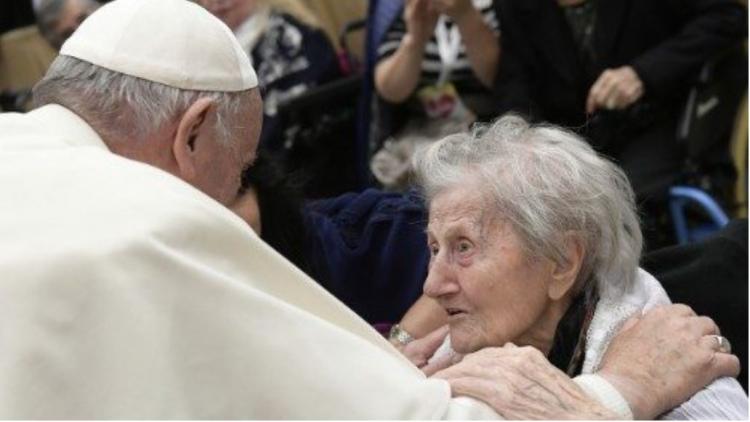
(424, 317)
(421, 350)
(520, 383)
(420, 18)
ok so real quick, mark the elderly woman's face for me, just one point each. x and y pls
(480, 275)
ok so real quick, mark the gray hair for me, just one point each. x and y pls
(546, 182)
(125, 106)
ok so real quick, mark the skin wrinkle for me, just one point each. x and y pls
(516, 396)
(529, 401)
(534, 384)
(468, 283)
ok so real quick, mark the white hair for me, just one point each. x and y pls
(126, 106)
(546, 182)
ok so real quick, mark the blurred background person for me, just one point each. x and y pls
(15, 14)
(58, 19)
(27, 51)
(618, 72)
(288, 49)
(435, 66)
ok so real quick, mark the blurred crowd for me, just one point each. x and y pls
(656, 86)
(352, 91)
(382, 120)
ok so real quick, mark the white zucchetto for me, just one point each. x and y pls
(173, 42)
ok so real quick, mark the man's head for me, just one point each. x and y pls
(58, 19)
(164, 83)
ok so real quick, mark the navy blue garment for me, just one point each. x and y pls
(369, 250)
(290, 58)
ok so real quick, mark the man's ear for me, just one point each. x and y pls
(565, 274)
(185, 140)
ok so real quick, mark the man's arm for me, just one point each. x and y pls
(662, 359)
(397, 76)
(479, 39)
(711, 26)
(655, 363)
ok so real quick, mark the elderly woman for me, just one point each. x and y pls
(535, 241)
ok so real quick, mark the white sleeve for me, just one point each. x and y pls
(607, 395)
(723, 399)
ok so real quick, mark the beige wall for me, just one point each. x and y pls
(24, 58)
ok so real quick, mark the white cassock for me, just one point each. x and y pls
(127, 293)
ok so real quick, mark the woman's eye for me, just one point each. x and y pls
(463, 247)
(434, 250)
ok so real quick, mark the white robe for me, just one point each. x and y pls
(127, 293)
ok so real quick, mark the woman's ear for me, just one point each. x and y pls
(186, 137)
(565, 274)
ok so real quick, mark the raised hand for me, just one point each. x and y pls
(420, 18)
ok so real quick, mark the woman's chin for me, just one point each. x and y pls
(463, 342)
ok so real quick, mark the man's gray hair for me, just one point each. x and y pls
(547, 182)
(125, 106)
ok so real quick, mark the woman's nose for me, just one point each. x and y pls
(441, 279)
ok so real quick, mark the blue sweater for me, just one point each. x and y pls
(369, 249)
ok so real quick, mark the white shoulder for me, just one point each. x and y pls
(724, 399)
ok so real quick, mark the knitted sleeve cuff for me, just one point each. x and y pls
(601, 390)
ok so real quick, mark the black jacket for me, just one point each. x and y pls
(665, 41)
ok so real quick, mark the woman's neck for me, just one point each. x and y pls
(542, 334)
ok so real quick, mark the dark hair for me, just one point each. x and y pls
(280, 203)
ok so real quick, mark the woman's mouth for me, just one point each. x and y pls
(454, 311)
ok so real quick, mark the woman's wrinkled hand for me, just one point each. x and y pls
(421, 350)
(520, 383)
